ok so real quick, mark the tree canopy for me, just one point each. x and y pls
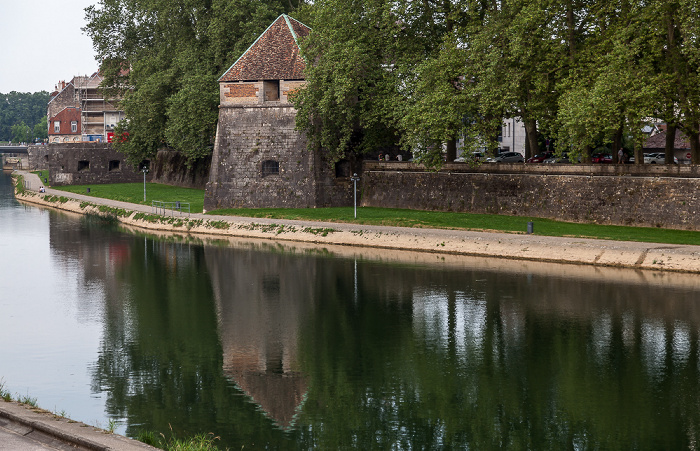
(419, 74)
(163, 58)
(422, 73)
(24, 114)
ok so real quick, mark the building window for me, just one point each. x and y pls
(272, 90)
(56, 140)
(270, 167)
(83, 165)
(57, 126)
(74, 127)
(113, 165)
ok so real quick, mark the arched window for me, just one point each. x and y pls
(270, 167)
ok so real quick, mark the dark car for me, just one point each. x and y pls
(507, 157)
(602, 158)
(540, 157)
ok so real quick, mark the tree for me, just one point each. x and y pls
(163, 60)
(21, 133)
(21, 107)
(41, 129)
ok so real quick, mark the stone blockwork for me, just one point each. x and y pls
(171, 168)
(584, 193)
(38, 157)
(89, 163)
(260, 160)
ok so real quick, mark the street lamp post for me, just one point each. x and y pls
(354, 179)
(145, 170)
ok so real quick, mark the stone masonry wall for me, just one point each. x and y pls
(38, 157)
(170, 168)
(586, 193)
(89, 163)
(248, 136)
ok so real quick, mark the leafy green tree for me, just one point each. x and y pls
(41, 129)
(21, 107)
(21, 133)
(163, 60)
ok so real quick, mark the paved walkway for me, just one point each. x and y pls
(628, 254)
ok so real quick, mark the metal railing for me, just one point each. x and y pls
(164, 208)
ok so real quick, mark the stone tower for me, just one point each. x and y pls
(259, 159)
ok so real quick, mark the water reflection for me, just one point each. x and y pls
(298, 347)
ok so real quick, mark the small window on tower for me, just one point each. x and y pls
(272, 90)
(270, 167)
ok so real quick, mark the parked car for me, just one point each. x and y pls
(507, 157)
(564, 158)
(657, 158)
(475, 156)
(602, 158)
(539, 158)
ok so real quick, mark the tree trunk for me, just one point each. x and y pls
(451, 150)
(638, 152)
(586, 156)
(617, 143)
(694, 146)
(670, 142)
(531, 144)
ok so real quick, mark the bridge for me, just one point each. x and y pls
(13, 149)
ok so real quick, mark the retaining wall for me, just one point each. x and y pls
(663, 196)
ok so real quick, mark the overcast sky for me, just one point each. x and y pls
(41, 42)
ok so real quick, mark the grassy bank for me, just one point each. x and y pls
(133, 192)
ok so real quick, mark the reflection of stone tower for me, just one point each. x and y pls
(261, 300)
(259, 159)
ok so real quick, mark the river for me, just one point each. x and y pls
(291, 346)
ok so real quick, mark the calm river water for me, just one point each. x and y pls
(281, 346)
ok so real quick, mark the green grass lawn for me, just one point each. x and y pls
(133, 192)
(470, 221)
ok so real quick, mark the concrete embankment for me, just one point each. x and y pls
(682, 258)
(25, 428)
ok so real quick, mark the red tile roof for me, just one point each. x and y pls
(273, 56)
(65, 117)
(658, 141)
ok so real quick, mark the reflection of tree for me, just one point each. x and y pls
(499, 361)
(161, 364)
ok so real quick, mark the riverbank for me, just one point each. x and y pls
(661, 257)
(25, 427)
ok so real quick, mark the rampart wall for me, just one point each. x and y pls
(89, 163)
(642, 195)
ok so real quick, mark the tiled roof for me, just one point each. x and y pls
(65, 117)
(658, 141)
(273, 56)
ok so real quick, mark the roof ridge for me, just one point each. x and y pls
(250, 47)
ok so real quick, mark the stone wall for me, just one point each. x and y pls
(662, 196)
(170, 168)
(260, 160)
(89, 163)
(38, 157)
